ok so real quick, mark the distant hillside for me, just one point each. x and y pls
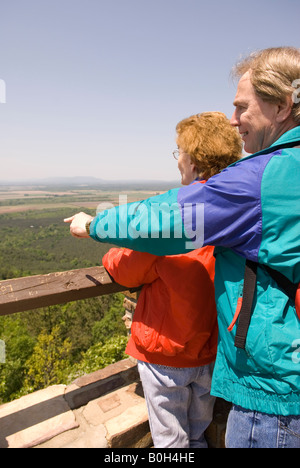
(93, 182)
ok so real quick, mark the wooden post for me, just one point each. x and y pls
(21, 294)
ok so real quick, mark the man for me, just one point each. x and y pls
(249, 211)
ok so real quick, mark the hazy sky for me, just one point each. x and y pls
(96, 87)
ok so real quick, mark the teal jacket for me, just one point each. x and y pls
(250, 210)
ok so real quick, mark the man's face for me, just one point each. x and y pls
(255, 118)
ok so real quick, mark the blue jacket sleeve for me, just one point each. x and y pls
(226, 211)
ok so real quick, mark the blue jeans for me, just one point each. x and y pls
(179, 403)
(250, 429)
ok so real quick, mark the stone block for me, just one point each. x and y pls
(93, 437)
(35, 418)
(130, 429)
(94, 385)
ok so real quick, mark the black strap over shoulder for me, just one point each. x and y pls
(282, 281)
(271, 149)
(246, 309)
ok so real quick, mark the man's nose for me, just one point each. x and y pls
(234, 121)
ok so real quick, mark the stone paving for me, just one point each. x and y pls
(105, 409)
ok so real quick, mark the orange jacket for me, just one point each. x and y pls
(175, 321)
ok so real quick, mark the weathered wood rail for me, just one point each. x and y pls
(32, 292)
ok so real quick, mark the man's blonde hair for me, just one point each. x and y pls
(275, 75)
(210, 140)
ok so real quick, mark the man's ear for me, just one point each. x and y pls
(284, 110)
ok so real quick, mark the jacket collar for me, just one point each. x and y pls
(288, 137)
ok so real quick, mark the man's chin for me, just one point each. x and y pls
(249, 149)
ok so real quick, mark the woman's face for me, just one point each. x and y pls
(186, 167)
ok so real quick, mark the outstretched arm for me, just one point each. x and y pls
(225, 212)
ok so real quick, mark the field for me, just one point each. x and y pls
(55, 344)
(16, 199)
(34, 238)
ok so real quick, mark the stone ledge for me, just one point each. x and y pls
(35, 418)
(92, 386)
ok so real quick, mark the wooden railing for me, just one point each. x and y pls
(32, 292)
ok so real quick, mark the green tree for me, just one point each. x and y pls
(19, 346)
(48, 365)
(101, 355)
(111, 324)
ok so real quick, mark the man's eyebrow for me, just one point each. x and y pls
(239, 102)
